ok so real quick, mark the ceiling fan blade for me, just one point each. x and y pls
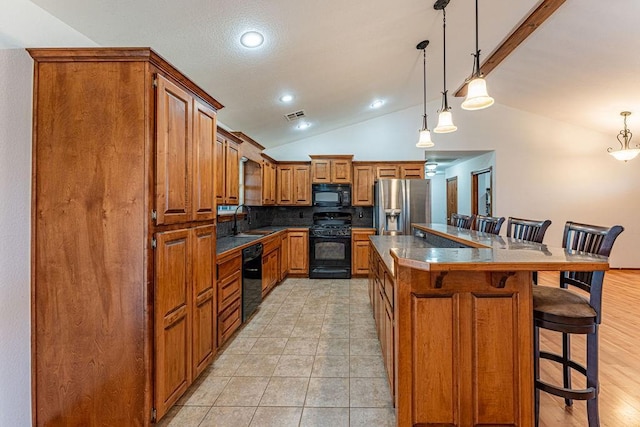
(517, 36)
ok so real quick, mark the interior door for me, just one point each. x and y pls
(481, 190)
(452, 197)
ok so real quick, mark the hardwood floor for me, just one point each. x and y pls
(619, 358)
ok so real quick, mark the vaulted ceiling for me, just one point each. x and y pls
(581, 66)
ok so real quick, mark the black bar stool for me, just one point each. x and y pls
(562, 310)
(531, 230)
(461, 221)
(488, 224)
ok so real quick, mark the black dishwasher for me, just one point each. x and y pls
(251, 279)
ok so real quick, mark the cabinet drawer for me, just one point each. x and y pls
(388, 287)
(228, 321)
(229, 290)
(229, 264)
(270, 245)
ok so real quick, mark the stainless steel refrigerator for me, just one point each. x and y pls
(400, 202)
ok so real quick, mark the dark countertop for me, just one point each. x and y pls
(229, 243)
(489, 253)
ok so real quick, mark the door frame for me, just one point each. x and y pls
(474, 189)
(452, 179)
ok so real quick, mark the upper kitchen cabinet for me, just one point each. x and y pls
(401, 170)
(185, 136)
(228, 170)
(294, 184)
(268, 181)
(334, 169)
(119, 133)
(363, 179)
(411, 170)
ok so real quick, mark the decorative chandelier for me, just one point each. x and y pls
(626, 152)
(425, 135)
(477, 96)
(445, 121)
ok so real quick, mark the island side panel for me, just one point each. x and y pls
(464, 345)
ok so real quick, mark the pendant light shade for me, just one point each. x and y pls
(477, 95)
(626, 151)
(424, 140)
(445, 119)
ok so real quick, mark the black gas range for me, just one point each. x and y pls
(330, 246)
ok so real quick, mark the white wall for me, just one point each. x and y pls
(438, 189)
(15, 200)
(544, 168)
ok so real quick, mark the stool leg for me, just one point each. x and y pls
(536, 371)
(566, 370)
(592, 378)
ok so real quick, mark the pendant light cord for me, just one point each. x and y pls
(445, 101)
(476, 64)
(424, 93)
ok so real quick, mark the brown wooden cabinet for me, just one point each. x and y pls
(299, 252)
(387, 171)
(229, 291)
(184, 303)
(284, 255)
(228, 170)
(334, 169)
(363, 179)
(270, 264)
(412, 171)
(294, 184)
(360, 250)
(268, 183)
(136, 138)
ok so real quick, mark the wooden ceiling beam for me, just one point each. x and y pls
(517, 36)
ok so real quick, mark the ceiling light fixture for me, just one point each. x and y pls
(477, 96)
(625, 153)
(430, 168)
(377, 103)
(303, 125)
(445, 121)
(286, 98)
(424, 140)
(252, 39)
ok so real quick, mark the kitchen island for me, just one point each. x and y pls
(454, 315)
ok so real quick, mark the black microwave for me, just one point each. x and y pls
(331, 195)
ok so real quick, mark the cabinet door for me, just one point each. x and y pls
(341, 171)
(268, 183)
(299, 252)
(220, 163)
(386, 171)
(232, 173)
(203, 205)
(301, 185)
(320, 170)
(362, 186)
(272, 184)
(172, 318)
(389, 346)
(173, 152)
(360, 251)
(412, 171)
(204, 297)
(285, 185)
(284, 256)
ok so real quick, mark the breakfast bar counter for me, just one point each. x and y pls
(458, 328)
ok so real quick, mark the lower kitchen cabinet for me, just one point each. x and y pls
(360, 250)
(229, 291)
(299, 252)
(270, 264)
(184, 320)
(284, 255)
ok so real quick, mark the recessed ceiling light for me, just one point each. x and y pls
(377, 103)
(286, 98)
(251, 39)
(303, 125)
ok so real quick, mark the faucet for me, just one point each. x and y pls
(234, 230)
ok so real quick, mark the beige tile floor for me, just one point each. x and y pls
(309, 357)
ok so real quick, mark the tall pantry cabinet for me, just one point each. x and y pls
(123, 236)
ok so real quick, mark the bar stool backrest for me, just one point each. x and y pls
(530, 230)
(590, 239)
(461, 221)
(488, 224)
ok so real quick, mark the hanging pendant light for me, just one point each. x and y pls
(424, 141)
(477, 96)
(445, 120)
(625, 153)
